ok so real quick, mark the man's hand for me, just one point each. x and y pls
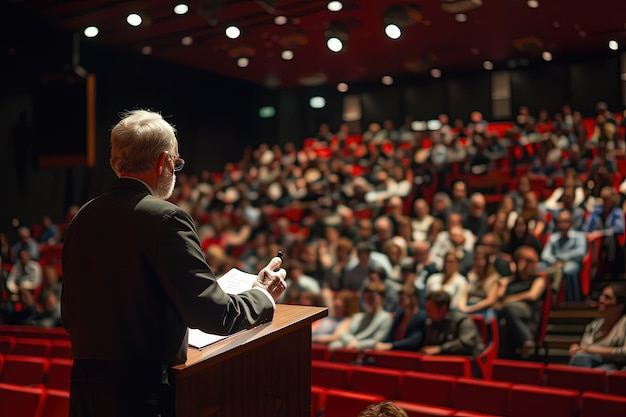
(573, 349)
(431, 350)
(383, 346)
(272, 279)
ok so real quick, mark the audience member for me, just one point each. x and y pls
(448, 332)
(519, 305)
(562, 255)
(481, 292)
(369, 327)
(422, 220)
(521, 236)
(476, 219)
(343, 306)
(603, 343)
(450, 280)
(25, 274)
(383, 409)
(24, 241)
(408, 323)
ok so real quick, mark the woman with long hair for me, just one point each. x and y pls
(481, 293)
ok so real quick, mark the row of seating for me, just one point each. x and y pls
(33, 332)
(21, 401)
(478, 399)
(55, 348)
(52, 373)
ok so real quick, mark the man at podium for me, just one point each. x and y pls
(135, 278)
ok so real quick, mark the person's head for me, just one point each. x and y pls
(526, 260)
(564, 221)
(344, 248)
(609, 198)
(23, 234)
(437, 305)
(612, 301)
(383, 227)
(455, 220)
(568, 197)
(457, 237)
(420, 251)
(376, 273)
(477, 205)
(364, 228)
(383, 409)
(373, 295)
(450, 263)
(507, 204)
(489, 244)
(395, 249)
(346, 303)
(395, 205)
(421, 208)
(143, 142)
(441, 202)
(523, 185)
(520, 228)
(459, 191)
(23, 256)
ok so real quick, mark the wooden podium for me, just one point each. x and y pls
(264, 371)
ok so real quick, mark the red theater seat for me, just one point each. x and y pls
(616, 383)
(517, 372)
(340, 403)
(396, 359)
(448, 365)
(59, 373)
(24, 370)
(422, 410)
(19, 401)
(319, 352)
(61, 349)
(598, 404)
(385, 382)
(7, 344)
(472, 395)
(570, 377)
(344, 355)
(318, 398)
(431, 389)
(32, 347)
(330, 375)
(56, 403)
(528, 400)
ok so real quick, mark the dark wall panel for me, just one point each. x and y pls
(594, 81)
(426, 100)
(468, 94)
(544, 87)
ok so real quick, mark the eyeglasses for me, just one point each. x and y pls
(179, 163)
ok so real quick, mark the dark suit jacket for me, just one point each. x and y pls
(456, 334)
(135, 277)
(413, 334)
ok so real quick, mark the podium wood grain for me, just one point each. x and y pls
(264, 371)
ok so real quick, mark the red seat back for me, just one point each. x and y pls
(24, 370)
(423, 410)
(59, 373)
(7, 344)
(396, 359)
(319, 352)
(61, 349)
(598, 404)
(56, 403)
(385, 382)
(340, 403)
(32, 347)
(527, 400)
(431, 389)
(616, 383)
(21, 401)
(344, 355)
(570, 377)
(448, 365)
(330, 375)
(517, 372)
(470, 394)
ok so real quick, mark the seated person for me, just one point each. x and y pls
(603, 344)
(297, 282)
(376, 273)
(521, 236)
(25, 274)
(450, 280)
(562, 255)
(481, 292)
(519, 305)
(455, 236)
(369, 327)
(408, 322)
(448, 332)
(344, 305)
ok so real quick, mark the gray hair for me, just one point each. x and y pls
(138, 141)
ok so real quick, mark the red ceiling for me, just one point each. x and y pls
(563, 27)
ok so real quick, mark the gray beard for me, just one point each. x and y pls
(165, 185)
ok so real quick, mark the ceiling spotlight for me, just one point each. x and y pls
(547, 56)
(393, 31)
(336, 36)
(91, 31)
(243, 62)
(232, 32)
(287, 55)
(387, 80)
(342, 87)
(280, 20)
(134, 19)
(181, 8)
(613, 45)
(460, 17)
(317, 102)
(187, 40)
(334, 6)
(488, 65)
(146, 50)
(435, 73)
(533, 4)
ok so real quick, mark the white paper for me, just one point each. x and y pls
(234, 281)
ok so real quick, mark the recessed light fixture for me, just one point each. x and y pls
(460, 17)
(91, 31)
(181, 8)
(435, 73)
(146, 50)
(287, 55)
(393, 31)
(232, 32)
(342, 87)
(613, 45)
(334, 6)
(533, 4)
(280, 20)
(243, 62)
(134, 19)
(547, 56)
(317, 102)
(334, 44)
(488, 65)
(187, 40)
(387, 80)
